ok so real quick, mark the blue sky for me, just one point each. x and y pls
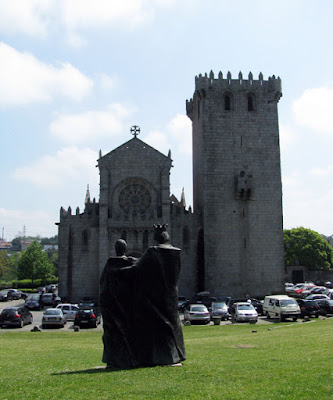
(75, 75)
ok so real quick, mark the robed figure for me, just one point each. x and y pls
(117, 309)
(151, 331)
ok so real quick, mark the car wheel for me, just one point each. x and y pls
(281, 318)
(267, 315)
(316, 315)
(294, 319)
(21, 323)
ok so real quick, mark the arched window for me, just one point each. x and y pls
(85, 240)
(227, 103)
(251, 102)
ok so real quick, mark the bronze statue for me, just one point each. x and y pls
(144, 314)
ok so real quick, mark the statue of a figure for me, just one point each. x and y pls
(116, 308)
(139, 305)
(158, 330)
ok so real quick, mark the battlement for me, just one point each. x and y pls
(273, 84)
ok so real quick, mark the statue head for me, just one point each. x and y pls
(160, 233)
(120, 247)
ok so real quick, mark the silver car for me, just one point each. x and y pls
(69, 310)
(197, 313)
(245, 312)
(53, 317)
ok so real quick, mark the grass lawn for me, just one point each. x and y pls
(268, 362)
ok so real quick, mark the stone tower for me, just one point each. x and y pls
(237, 191)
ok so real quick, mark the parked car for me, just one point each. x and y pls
(258, 305)
(23, 294)
(316, 297)
(53, 317)
(298, 289)
(33, 301)
(69, 310)
(325, 306)
(17, 316)
(314, 290)
(88, 302)
(41, 289)
(51, 288)
(88, 317)
(50, 299)
(5, 296)
(182, 301)
(197, 313)
(233, 301)
(9, 294)
(282, 307)
(219, 309)
(245, 312)
(308, 308)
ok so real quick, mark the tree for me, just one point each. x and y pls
(4, 263)
(33, 263)
(306, 247)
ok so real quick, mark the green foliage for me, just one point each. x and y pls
(4, 263)
(33, 263)
(223, 362)
(306, 247)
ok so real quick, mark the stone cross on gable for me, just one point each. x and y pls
(135, 130)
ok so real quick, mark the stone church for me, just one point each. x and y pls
(232, 240)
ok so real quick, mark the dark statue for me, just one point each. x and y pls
(139, 304)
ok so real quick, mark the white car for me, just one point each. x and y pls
(197, 313)
(69, 310)
(317, 297)
(245, 312)
(53, 317)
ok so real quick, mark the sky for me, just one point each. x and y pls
(75, 75)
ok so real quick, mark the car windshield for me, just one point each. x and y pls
(52, 312)
(33, 297)
(4, 291)
(288, 302)
(218, 305)
(198, 308)
(245, 307)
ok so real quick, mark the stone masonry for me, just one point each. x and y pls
(232, 242)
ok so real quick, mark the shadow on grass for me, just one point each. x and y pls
(100, 369)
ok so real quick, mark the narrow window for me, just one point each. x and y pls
(227, 103)
(250, 103)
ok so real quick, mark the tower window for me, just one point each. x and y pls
(227, 103)
(251, 102)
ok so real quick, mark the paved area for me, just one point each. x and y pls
(37, 321)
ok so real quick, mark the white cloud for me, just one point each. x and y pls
(67, 167)
(24, 79)
(314, 110)
(87, 126)
(158, 140)
(180, 127)
(322, 171)
(25, 17)
(35, 221)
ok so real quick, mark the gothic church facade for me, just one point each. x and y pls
(232, 241)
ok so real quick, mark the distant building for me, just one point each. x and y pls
(232, 242)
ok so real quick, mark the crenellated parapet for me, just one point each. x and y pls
(206, 81)
(203, 83)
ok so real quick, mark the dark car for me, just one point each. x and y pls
(33, 301)
(87, 316)
(308, 308)
(22, 294)
(325, 306)
(88, 302)
(219, 309)
(17, 316)
(50, 300)
(182, 302)
(258, 305)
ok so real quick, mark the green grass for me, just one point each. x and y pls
(278, 361)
